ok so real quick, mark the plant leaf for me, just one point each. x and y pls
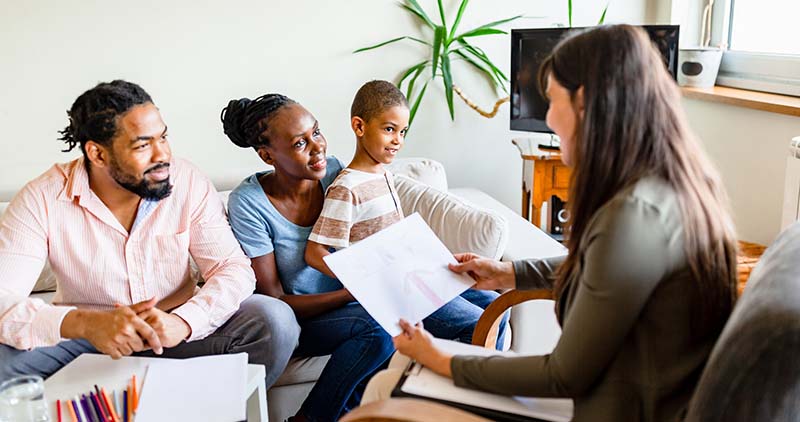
(482, 31)
(415, 106)
(438, 36)
(481, 56)
(569, 12)
(458, 21)
(416, 9)
(389, 42)
(448, 84)
(603, 16)
(495, 79)
(416, 68)
(441, 13)
(493, 24)
(413, 81)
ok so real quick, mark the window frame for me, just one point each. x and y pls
(775, 73)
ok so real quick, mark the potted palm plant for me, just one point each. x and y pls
(447, 45)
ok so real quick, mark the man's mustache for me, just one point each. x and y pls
(157, 167)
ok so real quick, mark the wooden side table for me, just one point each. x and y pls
(543, 175)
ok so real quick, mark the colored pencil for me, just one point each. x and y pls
(96, 406)
(113, 412)
(106, 412)
(71, 412)
(92, 414)
(58, 410)
(87, 415)
(78, 410)
(100, 406)
(129, 398)
(125, 415)
(115, 402)
(135, 392)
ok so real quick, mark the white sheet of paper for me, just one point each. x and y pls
(426, 383)
(399, 272)
(207, 388)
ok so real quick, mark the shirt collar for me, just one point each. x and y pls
(77, 183)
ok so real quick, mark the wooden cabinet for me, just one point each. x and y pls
(543, 175)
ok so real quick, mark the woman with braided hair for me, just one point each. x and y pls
(272, 213)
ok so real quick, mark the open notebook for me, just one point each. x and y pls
(421, 382)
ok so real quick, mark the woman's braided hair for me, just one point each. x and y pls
(244, 120)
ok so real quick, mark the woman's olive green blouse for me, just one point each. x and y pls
(626, 352)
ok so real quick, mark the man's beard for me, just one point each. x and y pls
(155, 191)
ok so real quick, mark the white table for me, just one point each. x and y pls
(81, 375)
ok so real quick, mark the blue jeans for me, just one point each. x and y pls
(263, 327)
(358, 347)
(457, 320)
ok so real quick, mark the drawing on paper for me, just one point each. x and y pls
(417, 279)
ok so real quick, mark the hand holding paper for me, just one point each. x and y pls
(399, 272)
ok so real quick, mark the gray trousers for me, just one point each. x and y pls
(263, 327)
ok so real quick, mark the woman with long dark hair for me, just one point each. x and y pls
(649, 280)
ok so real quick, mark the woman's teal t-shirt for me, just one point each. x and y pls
(261, 229)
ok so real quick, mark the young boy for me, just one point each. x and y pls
(362, 200)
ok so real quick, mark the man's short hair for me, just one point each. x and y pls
(374, 97)
(93, 116)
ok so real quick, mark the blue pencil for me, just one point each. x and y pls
(86, 411)
(92, 408)
(77, 411)
(125, 406)
(101, 417)
(103, 407)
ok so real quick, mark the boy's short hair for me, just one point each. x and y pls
(374, 97)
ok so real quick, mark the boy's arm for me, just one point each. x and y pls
(332, 228)
(314, 254)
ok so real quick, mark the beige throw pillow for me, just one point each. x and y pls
(461, 226)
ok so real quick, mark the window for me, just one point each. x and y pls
(763, 54)
(764, 26)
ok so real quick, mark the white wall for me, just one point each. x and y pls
(193, 56)
(749, 147)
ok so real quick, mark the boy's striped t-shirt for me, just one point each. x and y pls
(357, 205)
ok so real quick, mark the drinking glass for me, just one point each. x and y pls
(22, 399)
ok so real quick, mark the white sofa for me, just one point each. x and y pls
(467, 220)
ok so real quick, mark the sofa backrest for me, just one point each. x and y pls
(752, 373)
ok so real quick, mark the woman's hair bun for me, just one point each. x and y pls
(232, 116)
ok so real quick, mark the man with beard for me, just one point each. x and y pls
(118, 227)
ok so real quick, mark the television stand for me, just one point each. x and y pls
(543, 175)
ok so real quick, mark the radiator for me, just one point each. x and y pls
(791, 187)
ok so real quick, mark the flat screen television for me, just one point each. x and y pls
(529, 48)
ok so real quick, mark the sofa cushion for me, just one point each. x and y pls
(423, 170)
(524, 239)
(460, 226)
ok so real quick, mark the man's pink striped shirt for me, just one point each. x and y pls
(97, 263)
